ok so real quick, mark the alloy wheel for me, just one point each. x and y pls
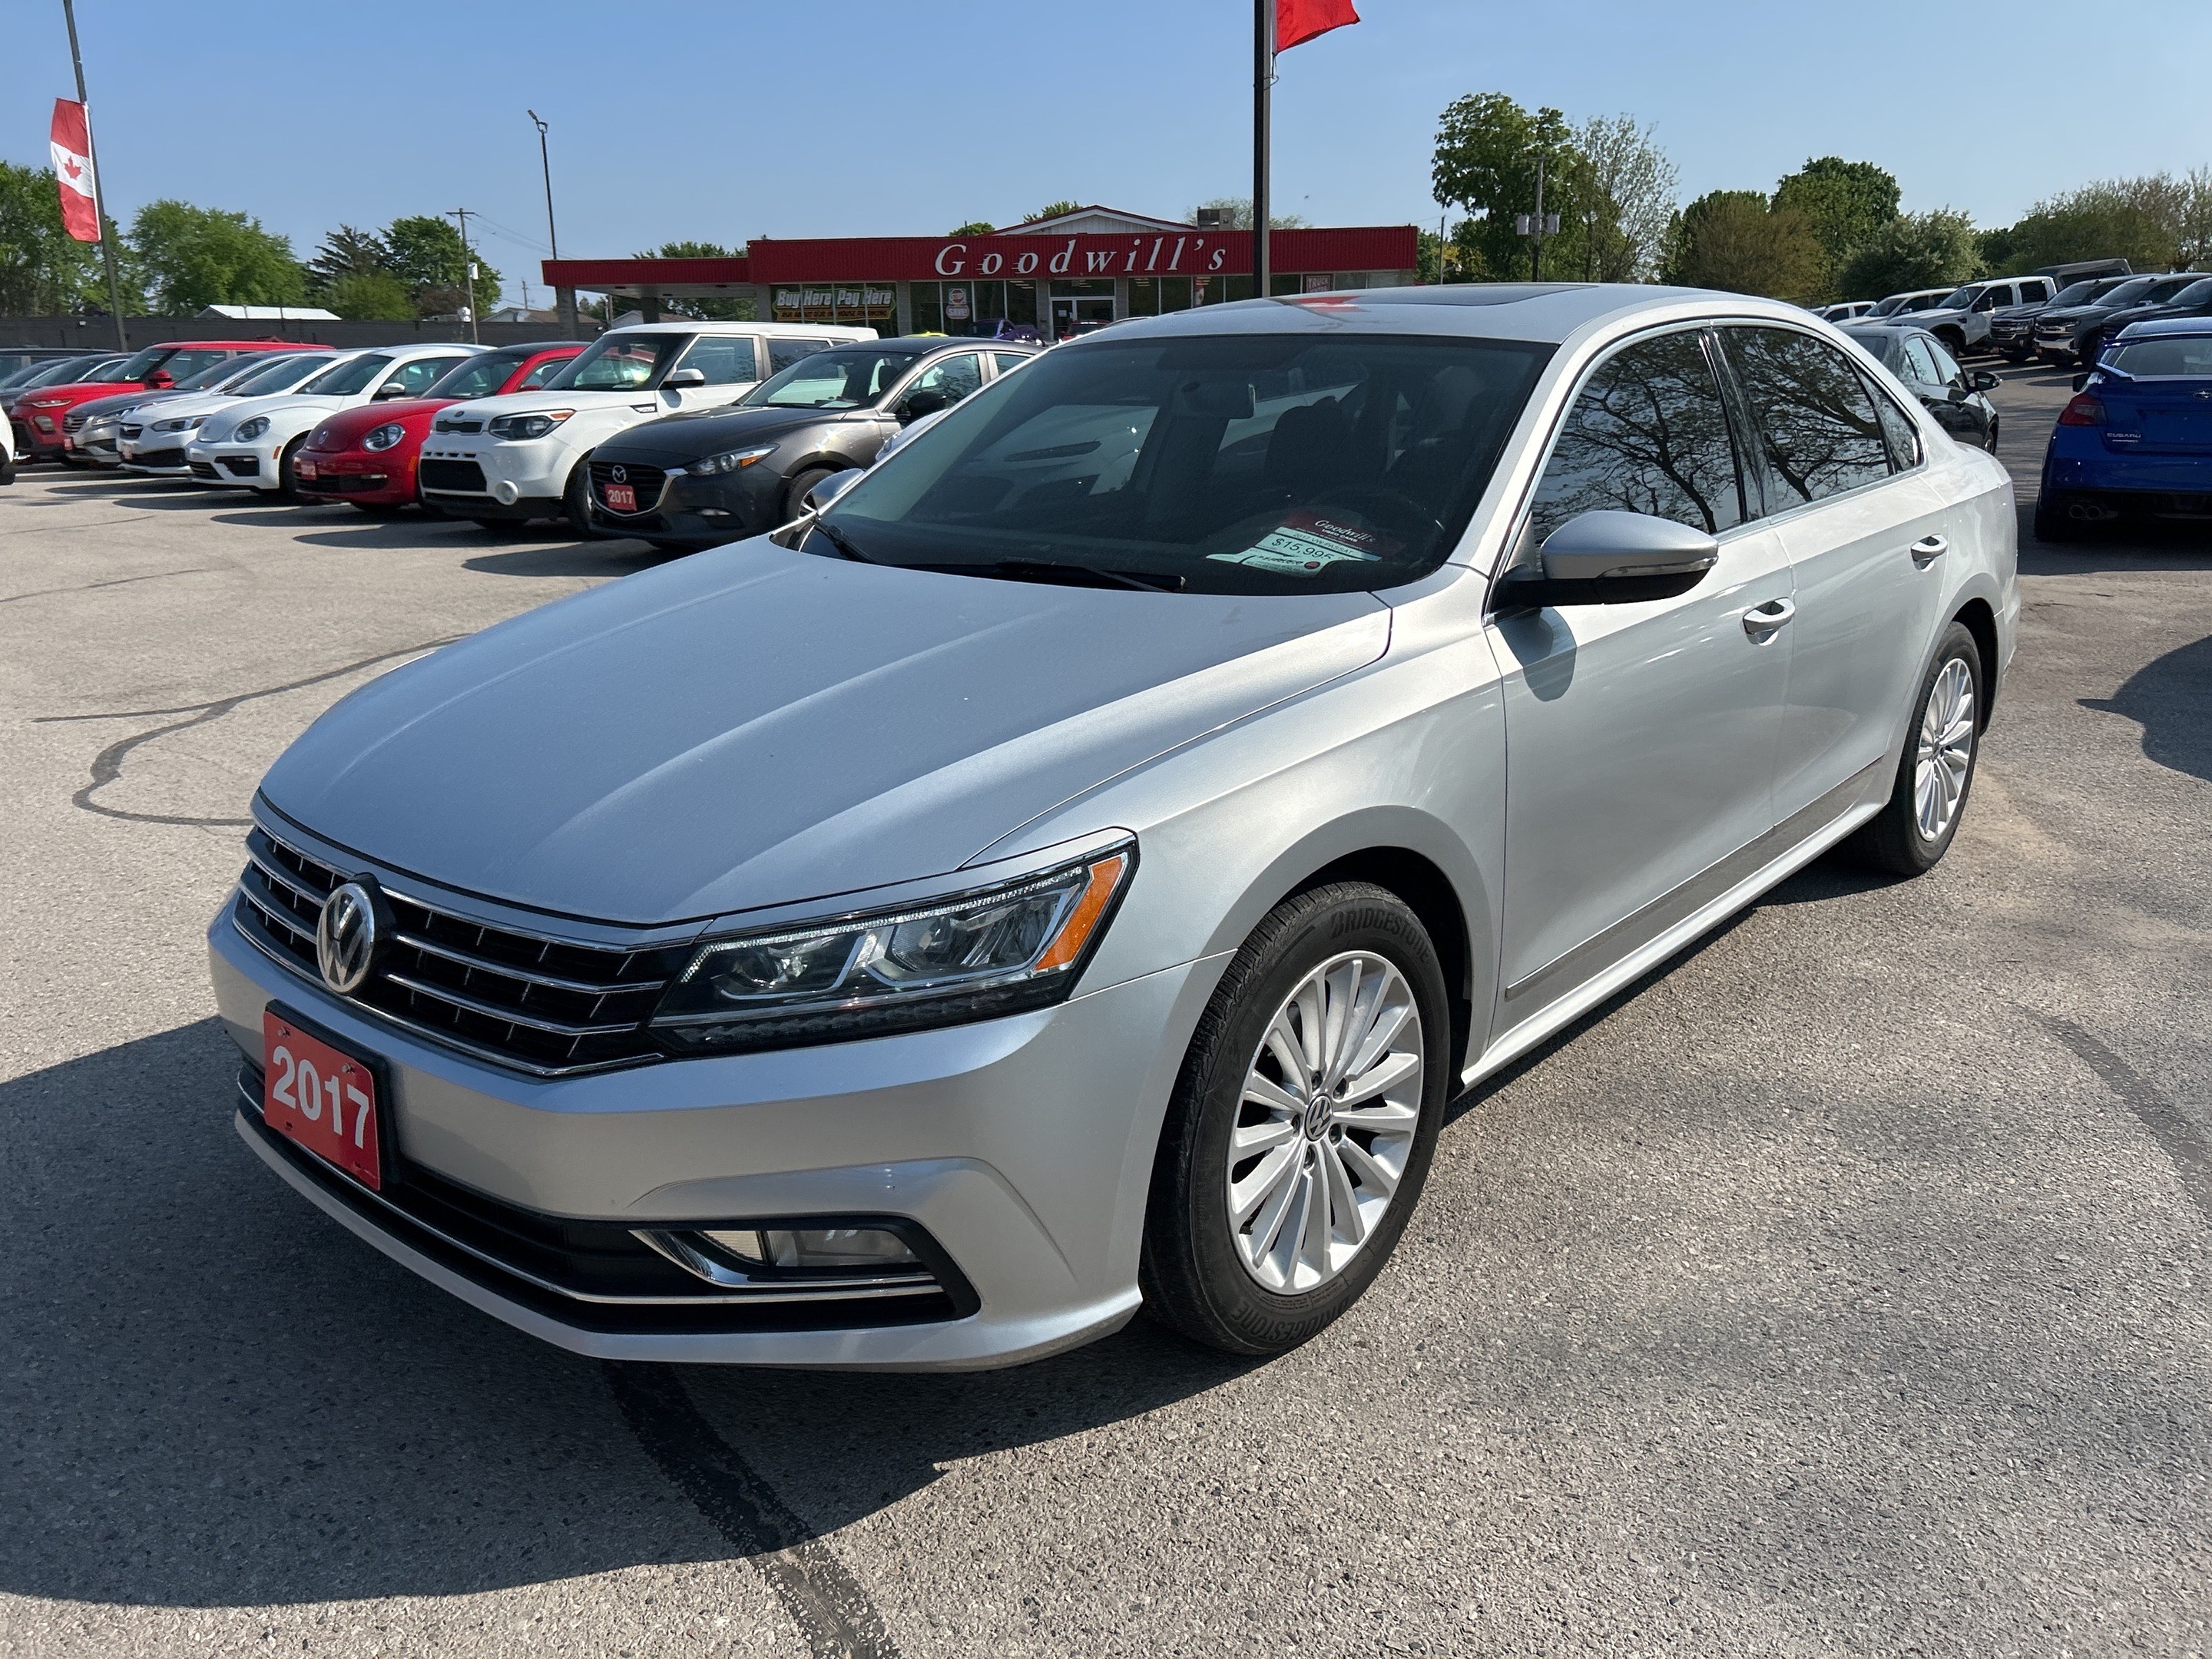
(1326, 1123)
(1946, 750)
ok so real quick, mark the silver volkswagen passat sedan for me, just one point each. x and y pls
(1077, 871)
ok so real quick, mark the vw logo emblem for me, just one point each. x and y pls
(621, 475)
(346, 937)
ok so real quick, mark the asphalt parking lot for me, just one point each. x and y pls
(1843, 1290)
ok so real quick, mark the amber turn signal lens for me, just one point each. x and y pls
(1076, 931)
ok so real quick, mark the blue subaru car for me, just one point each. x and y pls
(2136, 439)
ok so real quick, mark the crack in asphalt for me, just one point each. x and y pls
(120, 581)
(837, 1617)
(107, 764)
(2180, 1140)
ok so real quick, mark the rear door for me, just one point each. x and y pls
(1640, 739)
(1867, 534)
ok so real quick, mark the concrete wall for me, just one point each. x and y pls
(98, 333)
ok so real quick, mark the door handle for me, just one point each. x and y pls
(1760, 621)
(1927, 548)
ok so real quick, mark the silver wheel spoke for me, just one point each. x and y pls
(1271, 1094)
(1250, 1138)
(1384, 1118)
(1393, 1070)
(1268, 1191)
(1342, 1201)
(1371, 1172)
(1382, 1028)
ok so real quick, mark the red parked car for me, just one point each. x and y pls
(37, 414)
(366, 455)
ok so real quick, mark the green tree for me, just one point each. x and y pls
(973, 227)
(368, 296)
(1844, 202)
(1629, 201)
(347, 251)
(44, 270)
(427, 255)
(192, 258)
(2155, 222)
(1914, 250)
(1054, 210)
(1486, 151)
(713, 310)
(1237, 215)
(1733, 240)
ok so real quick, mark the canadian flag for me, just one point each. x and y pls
(70, 139)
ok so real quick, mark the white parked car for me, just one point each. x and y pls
(250, 445)
(507, 460)
(149, 437)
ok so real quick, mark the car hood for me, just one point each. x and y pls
(529, 403)
(754, 727)
(120, 401)
(237, 411)
(674, 439)
(362, 419)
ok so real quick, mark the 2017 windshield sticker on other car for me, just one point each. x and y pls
(1305, 543)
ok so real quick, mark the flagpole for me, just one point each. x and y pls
(1263, 75)
(99, 199)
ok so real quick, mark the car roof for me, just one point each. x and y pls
(1859, 330)
(2157, 325)
(694, 326)
(1537, 313)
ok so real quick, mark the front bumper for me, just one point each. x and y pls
(699, 512)
(384, 479)
(1021, 1146)
(239, 466)
(475, 476)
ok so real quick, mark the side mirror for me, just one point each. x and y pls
(678, 378)
(832, 487)
(1987, 379)
(161, 379)
(927, 401)
(1611, 558)
(390, 390)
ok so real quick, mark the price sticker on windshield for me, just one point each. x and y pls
(1306, 542)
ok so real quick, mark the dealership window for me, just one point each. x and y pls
(1156, 296)
(872, 303)
(977, 308)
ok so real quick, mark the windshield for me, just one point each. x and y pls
(345, 380)
(478, 376)
(619, 362)
(280, 376)
(2126, 293)
(2169, 357)
(2198, 293)
(144, 363)
(214, 374)
(850, 379)
(2078, 295)
(57, 373)
(1959, 298)
(1267, 464)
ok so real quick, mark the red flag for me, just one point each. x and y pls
(71, 140)
(1298, 21)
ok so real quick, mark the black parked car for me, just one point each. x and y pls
(1932, 374)
(2195, 300)
(2071, 334)
(700, 479)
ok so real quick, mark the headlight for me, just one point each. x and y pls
(976, 956)
(385, 436)
(182, 423)
(527, 426)
(728, 461)
(249, 430)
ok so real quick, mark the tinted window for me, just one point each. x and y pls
(724, 359)
(1251, 464)
(1947, 366)
(2172, 357)
(1008, 362)
(619, 362)
(782, 354)
(1816, 419)
(413, 378)
(188, 363)
(957, 376)
(1648, 433)
(2196, 294)
(478, 376)
(851, 377)
(222, 369)
(545, 372)
(1897, 428)
(345, 379)
(1919, 366)
(280, 376)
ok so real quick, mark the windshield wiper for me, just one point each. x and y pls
(1074, 575)
(837, 539)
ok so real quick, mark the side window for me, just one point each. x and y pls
(1647, 434)
(411, 378)
(724, 359)
(1920, 366)
(1995, 295)
(2035, 292)
(782, 354)
(1897, 430)
(1947, 366)
(956, 376)
(1008, 362)
(1816, 419)
(545, 372)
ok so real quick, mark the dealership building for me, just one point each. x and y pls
(1057, 276)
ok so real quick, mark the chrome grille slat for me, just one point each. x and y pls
(494, 1011)
(487, 965)
(285, 881)
(279, 918)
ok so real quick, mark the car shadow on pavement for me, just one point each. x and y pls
(571, 558)
(218, 1397)
(2171, 698)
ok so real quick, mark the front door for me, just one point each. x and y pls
(1079, 314)
(1868, 536)
(1640, 739)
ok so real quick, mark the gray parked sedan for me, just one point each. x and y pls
(1080, 871)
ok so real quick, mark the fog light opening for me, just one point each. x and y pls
(835, 1248)
(507, 492)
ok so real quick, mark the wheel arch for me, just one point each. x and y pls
(1429, 893)
(1976, 617)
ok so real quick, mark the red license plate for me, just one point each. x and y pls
(321, 1098)
(622, 498)
(305, 469)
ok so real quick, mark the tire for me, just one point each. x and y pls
(288, 476)
(1203, 1274)
(794, 495)
(1993, 425)
(2053, 522)
(576, 506)
(1909, 836)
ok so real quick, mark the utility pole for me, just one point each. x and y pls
(468, 270)
(1263, 76)
(1536, 247)
(564, 298)
(99, 186)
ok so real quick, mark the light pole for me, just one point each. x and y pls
(468, 270)
(99, 190)
(563, 297)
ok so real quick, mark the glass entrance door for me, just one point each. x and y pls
(1079, 314)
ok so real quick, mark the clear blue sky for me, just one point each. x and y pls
(769, 118)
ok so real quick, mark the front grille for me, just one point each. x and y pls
(345, 484)
(74, 422)
(243, 466)
(159, 457)
(204, 469)
(459, 424)
(536, 1004)
(459, 478)
(128, 431)
(646, 481)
